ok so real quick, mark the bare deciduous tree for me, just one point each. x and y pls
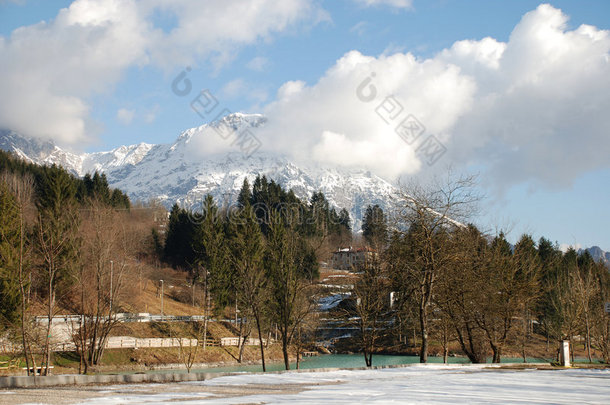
(371, 292)
(109, 244)
(425, 216)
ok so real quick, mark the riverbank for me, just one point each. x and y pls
(276, 364)
(150, 359)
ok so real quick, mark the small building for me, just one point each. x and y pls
(352, 258)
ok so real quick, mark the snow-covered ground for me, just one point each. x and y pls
(415, 384)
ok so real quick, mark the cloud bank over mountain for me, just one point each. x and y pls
(533, 108)
(529, 109)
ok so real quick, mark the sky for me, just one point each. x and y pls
(517, 92)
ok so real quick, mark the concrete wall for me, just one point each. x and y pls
(73, 379)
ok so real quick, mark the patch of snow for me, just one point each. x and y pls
(330, 302)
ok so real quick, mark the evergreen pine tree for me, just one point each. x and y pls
(244, 197)
(211, 253)
(246, 254)
(9, 256)
(374, 227)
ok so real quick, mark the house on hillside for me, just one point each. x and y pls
(352, 258)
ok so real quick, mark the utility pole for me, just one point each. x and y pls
(161, 299)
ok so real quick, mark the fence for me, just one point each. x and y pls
(234, 341)
(114, 342)
(128, 342)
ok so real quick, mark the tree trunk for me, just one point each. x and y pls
(497, 353)
(285, 352)
(23, 296)
(243, 345)
(525, 334)
(24, 342)
(445, 341)
(34, 365)
(588, 337)
(546, 330)
(240, 340)
(472, 350)
(206, 311)
(423, 322)
(260, 340)
(47, 345)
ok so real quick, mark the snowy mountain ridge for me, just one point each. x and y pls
(173, 173)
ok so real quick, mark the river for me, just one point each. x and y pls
(343, 361)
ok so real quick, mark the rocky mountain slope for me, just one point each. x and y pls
(173, 173)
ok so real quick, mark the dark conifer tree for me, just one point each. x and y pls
(374, 227)
(245, 195)
(9, 252)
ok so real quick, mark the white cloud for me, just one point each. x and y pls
(217, 27)
(125, 116)
(404, 4)
(327, 122)
(50, 70)
(258, 64)
(532, 109)
(337, 149)
(540, 111)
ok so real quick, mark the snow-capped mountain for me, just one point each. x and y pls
(174, 173)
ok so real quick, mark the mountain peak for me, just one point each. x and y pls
(166, 172)
(237, 120)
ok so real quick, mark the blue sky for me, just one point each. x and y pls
(551, 178)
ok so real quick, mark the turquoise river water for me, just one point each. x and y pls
(342, 361)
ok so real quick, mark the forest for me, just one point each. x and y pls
(70, 245)
(454, 283)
